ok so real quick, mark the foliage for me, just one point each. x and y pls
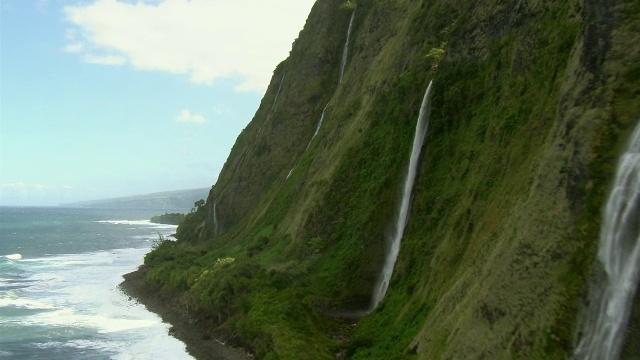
(168, 218)
(294, 250)
(197, 205)
(349, 5)
(192, 226)
(435, 55)
(159, 241)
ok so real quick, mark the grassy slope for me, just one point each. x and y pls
(526, 121)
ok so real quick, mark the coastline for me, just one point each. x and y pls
(200, 337)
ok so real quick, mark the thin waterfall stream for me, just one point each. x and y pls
(317, 127)
(342, 67)
(275, 101)
(611, 299)
(402, 214)
(215, 218)
(345, 51)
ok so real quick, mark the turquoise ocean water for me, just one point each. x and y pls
(59, 275)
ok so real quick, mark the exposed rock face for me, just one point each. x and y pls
(532, 103)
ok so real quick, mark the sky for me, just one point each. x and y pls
(110, 98)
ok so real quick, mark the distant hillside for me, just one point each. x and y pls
(168, 200)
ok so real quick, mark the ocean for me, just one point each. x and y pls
(59, 275)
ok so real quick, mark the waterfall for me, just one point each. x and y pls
(278, 92)
(238, 166)
(402, 214)
(317, 127)
(310, 141)
(619, 257)
(346, 47)
(344, 62)
(215, 218)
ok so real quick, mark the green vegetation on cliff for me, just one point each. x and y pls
(168, 218)
(532, 103)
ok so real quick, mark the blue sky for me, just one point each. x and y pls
(108, 98)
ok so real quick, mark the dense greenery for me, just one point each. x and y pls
(524, 130)
(168, 218)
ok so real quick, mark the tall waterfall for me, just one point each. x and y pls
(619, 256)
(402, 214)
(317, 127)
(346, 47)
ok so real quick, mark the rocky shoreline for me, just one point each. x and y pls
(198, 333)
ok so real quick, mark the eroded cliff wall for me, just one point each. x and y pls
(532, 102)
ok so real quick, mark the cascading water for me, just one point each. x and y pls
(317, 127)
(342, 66)
(215, 218)
(619, 256)
(312, 137)
(346, 47)
(238, 167)
(275, 101)
(403, 210)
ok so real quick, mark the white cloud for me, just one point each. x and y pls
(104, 59)
(25, 189)
(221, 109)
(20, 193)
(14, 186)
(25, 186)
(74, 48)
(186, 116)
(202, 39)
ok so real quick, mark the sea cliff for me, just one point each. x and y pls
(532, 104)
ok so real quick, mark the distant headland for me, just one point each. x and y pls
(168, 200)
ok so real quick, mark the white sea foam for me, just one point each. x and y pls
(54, 262)
(94, 258)
(82, 288)
(76, 298)
(79, 344)
(146, 223)
(154, 346)
(126, 222)
(14, 256)
(20, 303)
(149, 237)
(101, 323)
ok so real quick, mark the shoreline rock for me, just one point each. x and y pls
(198, 333)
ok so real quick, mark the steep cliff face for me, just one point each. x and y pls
(531, 105)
